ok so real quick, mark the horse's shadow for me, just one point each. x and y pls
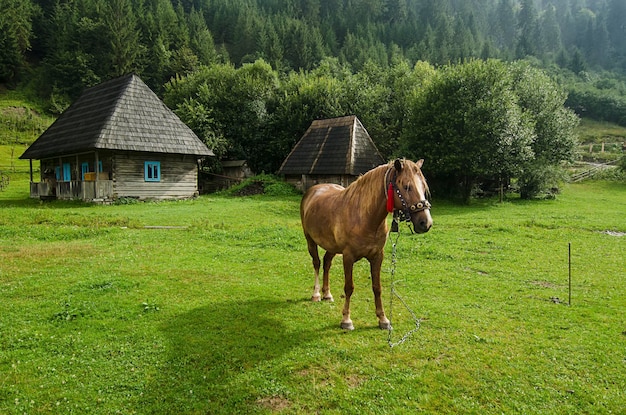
(222, 354)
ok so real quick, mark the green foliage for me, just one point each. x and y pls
(89, 41)
(602, 105)
(616, 174)
(596, 132)
(489, 122)
(261, 184)
(16, 34)
(541, 180)
(85, 41)
(21, 124)
(226, 107)
(554, 130)
(253, 113)
(622, 164)
(467, 124)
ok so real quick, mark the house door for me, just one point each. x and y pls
(67, 172)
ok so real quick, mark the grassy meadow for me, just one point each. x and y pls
(203, 306)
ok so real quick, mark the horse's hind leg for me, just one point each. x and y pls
(328, 261)
(316, 267)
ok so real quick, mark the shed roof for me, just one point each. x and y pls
(119, 114)
(333, 146)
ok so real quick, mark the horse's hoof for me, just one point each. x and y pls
(329, 298)
(384, 325)
(347, 325)
(316, 298)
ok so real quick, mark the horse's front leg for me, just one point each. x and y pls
(316, 268)
(348, 289)
(375, 266)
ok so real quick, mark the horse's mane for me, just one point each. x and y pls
(369, 188)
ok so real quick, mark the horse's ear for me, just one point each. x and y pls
(398, 165)
(419, 163)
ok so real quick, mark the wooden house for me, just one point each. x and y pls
(118, 140)
(335, 150)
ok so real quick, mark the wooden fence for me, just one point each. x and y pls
(577, 177)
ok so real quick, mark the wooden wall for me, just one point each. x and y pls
(304, 181)
(179, 176)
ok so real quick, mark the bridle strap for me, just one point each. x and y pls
(404, 214)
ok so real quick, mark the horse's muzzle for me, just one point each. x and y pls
(422, 222)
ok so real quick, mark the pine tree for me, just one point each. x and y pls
(15, 36)
(123, 33)
(551, 30)
(529, 41)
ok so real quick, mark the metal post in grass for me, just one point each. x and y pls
(569, 264)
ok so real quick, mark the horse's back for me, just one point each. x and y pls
(319, 197)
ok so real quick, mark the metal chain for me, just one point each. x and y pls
(394, 293)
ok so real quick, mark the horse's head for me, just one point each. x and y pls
(410, 194)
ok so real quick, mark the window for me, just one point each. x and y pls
(67, 172)
(84, 168)
(152, 171)
(57, 172)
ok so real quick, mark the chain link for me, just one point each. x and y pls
(394, 293)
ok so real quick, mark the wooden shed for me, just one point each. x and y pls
(335, 150)
(233, 172)
(118, 140)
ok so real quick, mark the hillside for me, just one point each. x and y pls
(21, 122)
(65, 46)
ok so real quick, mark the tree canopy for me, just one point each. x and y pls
(488, 121)
(477, 122)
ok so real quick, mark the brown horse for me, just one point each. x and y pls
(352, 222)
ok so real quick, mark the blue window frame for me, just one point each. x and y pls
(152, 171)
(57, 172)
(84, 168)
(67, 172)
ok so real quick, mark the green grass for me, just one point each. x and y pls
(591, 131)
(100, 314)
(592, 134)
(22, 119)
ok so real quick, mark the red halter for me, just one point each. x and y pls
(390, 201)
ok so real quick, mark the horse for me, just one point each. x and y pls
(352, 221)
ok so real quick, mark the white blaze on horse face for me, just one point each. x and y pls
(422, 221)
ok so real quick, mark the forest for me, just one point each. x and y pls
(249, 75)
(80, 42)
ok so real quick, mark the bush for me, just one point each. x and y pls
(262, 184)
(542, 180)
(613, 174)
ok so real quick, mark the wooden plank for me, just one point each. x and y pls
(179, 176)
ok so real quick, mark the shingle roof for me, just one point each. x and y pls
(120, 114)
(333, 146)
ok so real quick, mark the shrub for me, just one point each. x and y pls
(541, 180)
(262, 184)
